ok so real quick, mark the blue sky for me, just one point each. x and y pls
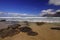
(26, 6)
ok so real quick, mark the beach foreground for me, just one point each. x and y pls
(43, 32)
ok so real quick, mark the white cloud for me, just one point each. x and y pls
(58, 10)
(55, 2)
(48, 11)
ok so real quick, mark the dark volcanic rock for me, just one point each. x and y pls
(39, 23)
(25, 29)
(55, 28)
(3, 20)
(14, 26)
(31, 33)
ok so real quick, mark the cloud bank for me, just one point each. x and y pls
(4, 14)
(44, 13)
(50, 13)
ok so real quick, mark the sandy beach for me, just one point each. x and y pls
(44, 32)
